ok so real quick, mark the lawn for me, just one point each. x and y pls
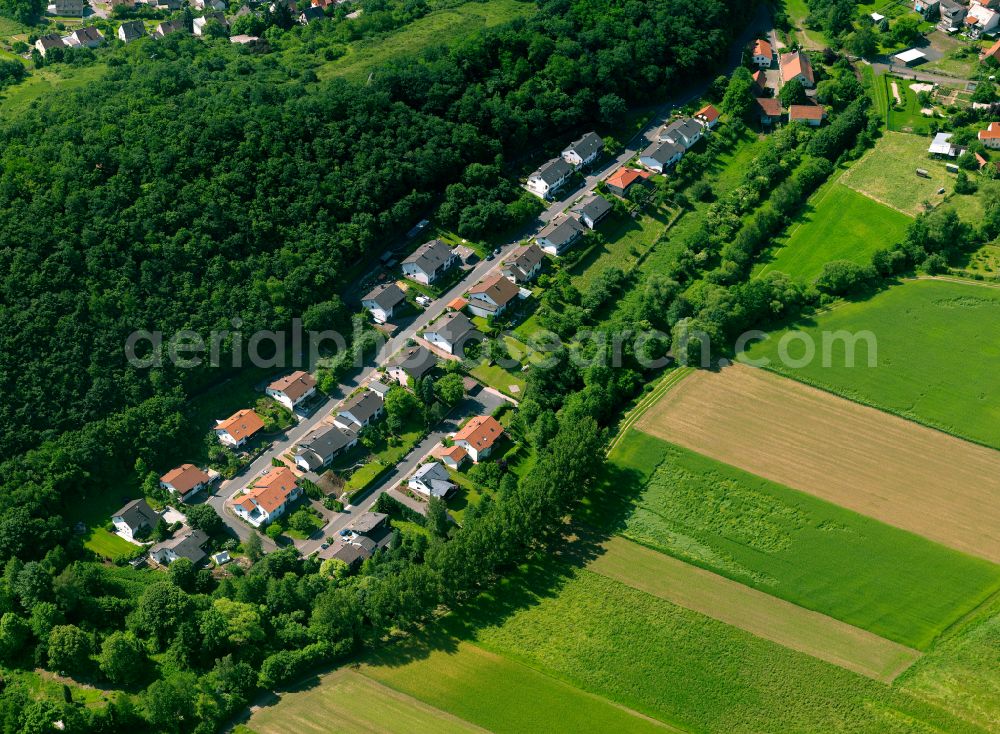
(800, 548)
(938, 355)
(905, 117)
(355, 703)
(60, 77)
(444, 26)
(625, 241)
(495, 376)
(384, 457)
(887, 174)
(838, 224)
(983, 262)
(108, 545)
(467, 494)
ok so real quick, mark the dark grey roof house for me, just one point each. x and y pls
(524, 263)
(183, 546)
(583, 151)
(660, 156)
(359, 410)
(555, 238)
(131, 30)
(592, 210)
(428, 261)
(134, 517)
(451, 332)
(310, 14)
(549, 177)
(683, 131)
(413, 362)
(322, 445)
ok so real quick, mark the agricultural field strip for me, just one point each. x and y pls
(753, 611)
(350, 701)
(874, 463)
(648, 401)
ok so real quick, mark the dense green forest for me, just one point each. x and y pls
(194, 184)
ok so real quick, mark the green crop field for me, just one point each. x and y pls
(436, 28)
(840, 224)
(687, 669)
(495, 692)
(800, 548)
(938, 354)
(887, 173)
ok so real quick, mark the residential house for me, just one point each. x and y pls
(591, 210)
(169, 4)
(993, 52)
(556, 238)
(431, 480)
(759, 83)
(209, 5)
(88, 37)
(762, 53)
(239, 428)
(412, 364)
(185, 481)
(708, 116)
(379, 388)
(374, 527)
(48, 42)
(796, 65)
(200, 23)
(623, 179)
(524, 263)
(810, 114)
(549, 177)
(310, 15)
(71, 8)
(452, 332)
(658, 157)
(269, 498)
(479, 436)
(493, 296)
(169, 26)
(381, 301)
(981, 20)
(452, 456)
(186, 545)
(135, 520)
(292, 390)
(768, 110)
(360, 410)
(990, 137)
(131, 30)
(583, 151)
(322, 445)
(929, 9)
(952, 15)
(683, 131)
(366, 536)
(122, 3)
(349, 553)
(942, 145)
(428, 262)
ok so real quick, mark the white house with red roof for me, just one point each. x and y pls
(239, 428)
(293, 389)
(478, 436)
(269, 497)
(185, 481)
(990, 137)
(493, 296)
(796, 65)
(708, 116)
(762, 53)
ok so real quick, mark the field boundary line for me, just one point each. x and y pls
(958, 279)
(647, 401)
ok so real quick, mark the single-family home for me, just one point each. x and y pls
(981, 20)
(708, 116)
(349, 553)
(583, 151)
(322, 445)
(412, 364)
(239, 428)
(360, 410)
(169, 26)
(591, 210)
(365, 536)
(135, 520)
(379, 388)
(431, 480)
(122, 3)
(796, 65)
(952, 15)
(269, 498)
(88, 37)
(623, 179)
(185, 481)
(993, 52)
(187, 544)
(942, 145)
(71, 8)
(549, 177)
(49, 41)
(311, 15)
(990, 137)
(762, 53)
(492, 296)
(479, 436)
(452, 332)
(199, 23)
(428, 262)
(452, 456)
(556, 238)
(768, 110)
(658, 157)
(930, 9)
(292, 390)
(759, 83)
(810, 114)
(131, 30)
(371, 525)
(683, 131)
(209, 5)
(381, 301)
(524, 263)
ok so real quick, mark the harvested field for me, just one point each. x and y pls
(874, 463)
(756, 612)
(348, 701)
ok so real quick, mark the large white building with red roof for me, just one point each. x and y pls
(269, 498)
(478, 436)
(990, 137)
(293, 389)
(239, 428)
(185, 481)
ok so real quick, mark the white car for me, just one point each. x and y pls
(424, 301)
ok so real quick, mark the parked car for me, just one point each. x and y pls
(424, 301)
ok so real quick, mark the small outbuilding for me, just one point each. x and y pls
(910, 57)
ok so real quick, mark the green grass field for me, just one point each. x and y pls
(887, 173)
(108, 545)
(840, 224)
(797, 547)
(437, 28)
(938, 353)
(625, 241)
(905, 117)
(495, 376)
(60, 78)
